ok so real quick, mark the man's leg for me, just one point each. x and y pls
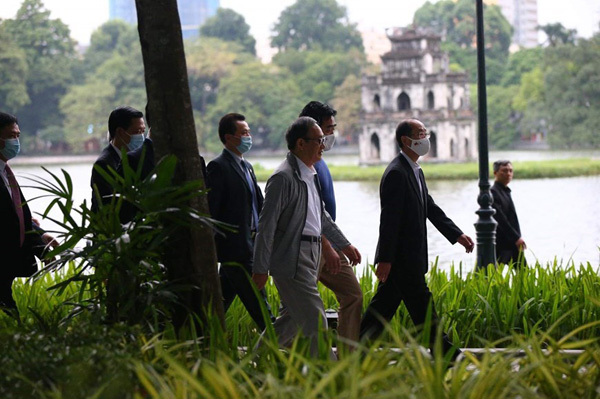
(417, 298)
(382, 309)
(6, 299)
(238, 282)
(347, 290)
(304, 309)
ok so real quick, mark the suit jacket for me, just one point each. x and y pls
(108, 158)
(17, 260)
(230, 201)
(403, 227)
(508, 230)
(282, 220)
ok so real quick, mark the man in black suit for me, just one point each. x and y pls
(126, 129)
(509, 243)
(401, 255)
(235, 198)
(20, 236)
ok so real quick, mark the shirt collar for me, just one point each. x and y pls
(116, 149)
(235, 156)
(305, 171)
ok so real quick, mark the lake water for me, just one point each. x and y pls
(558, 217)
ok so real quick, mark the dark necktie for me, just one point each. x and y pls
(253, 191)
(16, 198)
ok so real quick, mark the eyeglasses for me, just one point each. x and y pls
(420, 136)
(319, 141)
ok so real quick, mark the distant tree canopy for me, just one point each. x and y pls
(455, 21)
(229, 26)
(49, 53)
(557, 34)
(315, 25)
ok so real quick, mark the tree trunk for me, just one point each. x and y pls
(192, 256)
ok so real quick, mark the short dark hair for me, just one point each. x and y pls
(318, 111)
(298, 130)
(228, 124)
(500, 163)
(121, 117)
(404, 128)
(7, 120)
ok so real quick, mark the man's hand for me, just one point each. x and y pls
(260, 280)
(521, 244)
(466, 242)
(332, 259)
(49, 240)
(352, 254)
(383, 271)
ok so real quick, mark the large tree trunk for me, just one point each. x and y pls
(192, 256)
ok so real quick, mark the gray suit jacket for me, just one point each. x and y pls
(282, 220)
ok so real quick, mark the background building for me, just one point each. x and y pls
(192, 13)
(523, 16)
(415, 82)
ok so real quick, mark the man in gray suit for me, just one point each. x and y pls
(288, 243)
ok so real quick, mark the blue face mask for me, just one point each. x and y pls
(245, 145)
(135, 141)
(11, 149)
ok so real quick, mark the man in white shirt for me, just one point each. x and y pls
(288, 243)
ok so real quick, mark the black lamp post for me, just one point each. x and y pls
(485, 225)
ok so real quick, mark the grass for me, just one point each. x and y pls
(465, 171)
(538, 312)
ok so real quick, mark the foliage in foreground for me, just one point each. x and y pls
(84, 360)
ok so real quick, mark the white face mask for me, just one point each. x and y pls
(329, 141)
(420, 147)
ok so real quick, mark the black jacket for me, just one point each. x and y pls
(508, 230)
(403, 227)
(17, 260)
(230, 201)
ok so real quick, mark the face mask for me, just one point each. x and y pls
(11, 148)
(135, 141)
(329, 141)
(420, 147)
(245, 145)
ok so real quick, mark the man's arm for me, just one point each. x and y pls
(267, 223)
(215, 182)
(393, 205)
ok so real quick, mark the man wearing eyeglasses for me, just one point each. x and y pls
(126, 129)
(335, 271)
(288, 243)
(401, 255)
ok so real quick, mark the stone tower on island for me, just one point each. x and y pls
(416, 82)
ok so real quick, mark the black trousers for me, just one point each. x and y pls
(507, 254)
(236, 281)
(6, 299)
(407, 286)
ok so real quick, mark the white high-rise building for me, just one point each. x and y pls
(523, 16)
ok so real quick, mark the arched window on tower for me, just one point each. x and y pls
(430, 100)
(452, 149)
(403, 102)
(375, 154)
(377, 102)
(433, 145)
(467, 149)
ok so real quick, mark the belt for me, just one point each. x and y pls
(310, 238)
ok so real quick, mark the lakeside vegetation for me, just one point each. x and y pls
(464, 171)
(537, 313)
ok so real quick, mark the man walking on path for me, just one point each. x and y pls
(288, 243)
(334, 270)
(235, 198)
(509, 243)
(401, 255)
